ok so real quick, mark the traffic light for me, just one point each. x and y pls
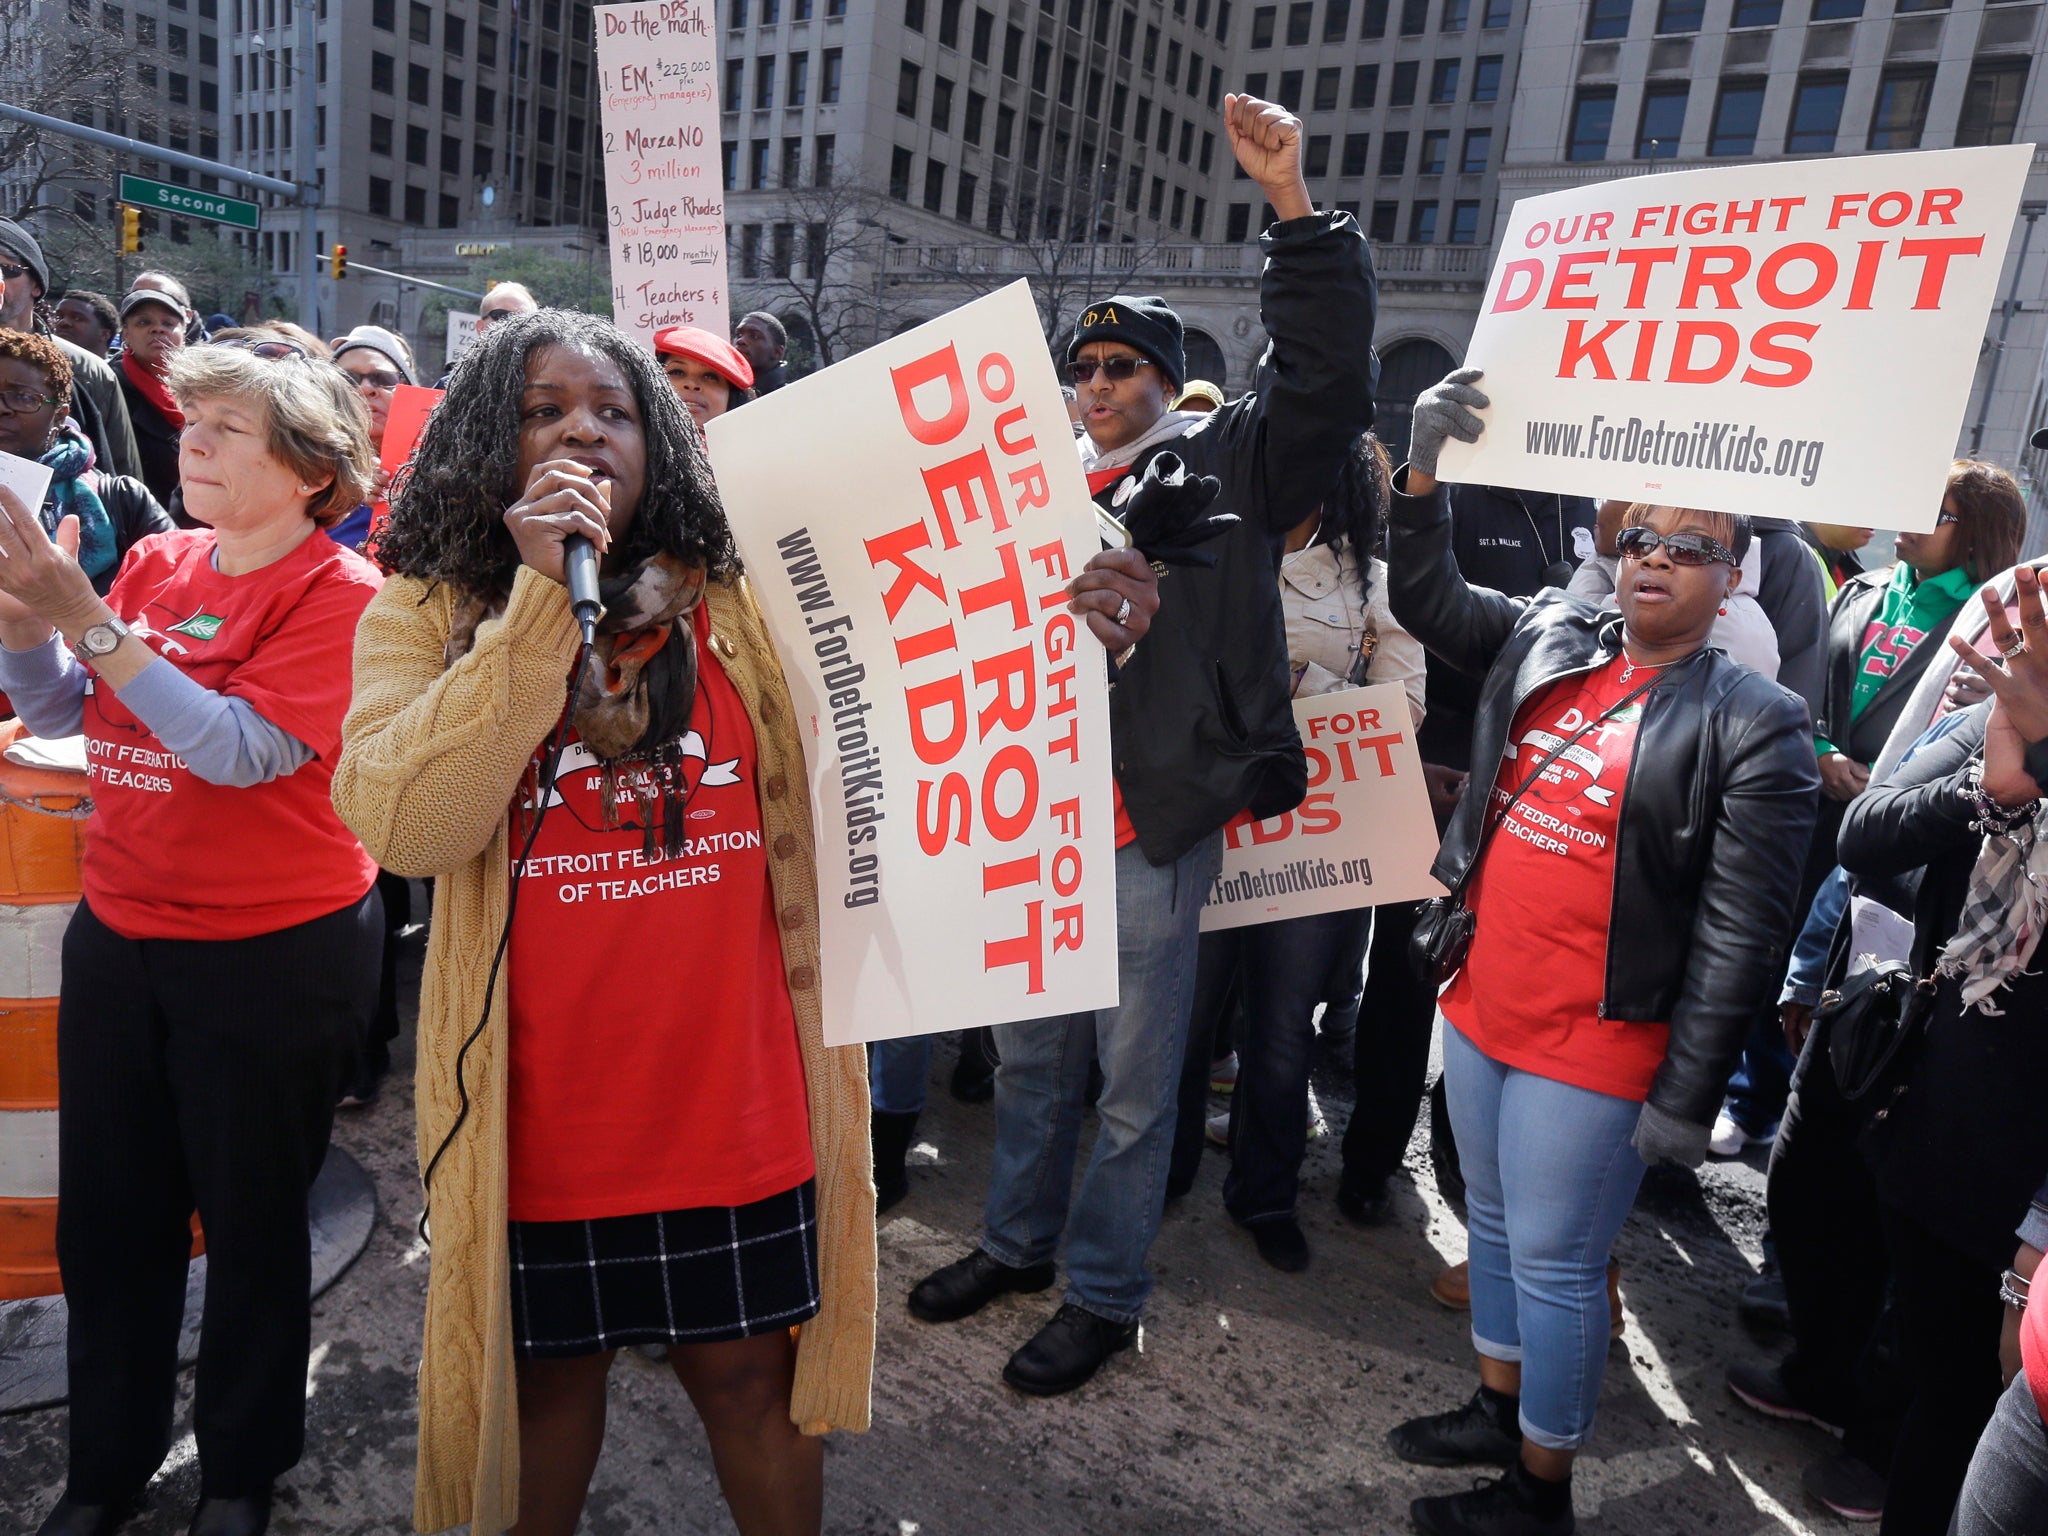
(131, 230)
(337, 262)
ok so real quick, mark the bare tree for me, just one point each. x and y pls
(57, 60)
(822, 262)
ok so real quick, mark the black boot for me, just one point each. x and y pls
(1487, 1430)
(70, 1518)
(1067, 1351)
(966, 1286)
(891, 1135)
(1518, 1504)
(246, 1516)
(974, 1074)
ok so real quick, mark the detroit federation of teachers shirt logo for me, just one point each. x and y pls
(201, 626)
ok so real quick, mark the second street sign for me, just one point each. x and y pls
(189, 202)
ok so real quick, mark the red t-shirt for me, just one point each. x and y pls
(1100, 480)
(170, 856)
(2034, 1348)
(1531, 988)
(655, 1064)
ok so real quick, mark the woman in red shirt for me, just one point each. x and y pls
(219, 970)
(1634, 770)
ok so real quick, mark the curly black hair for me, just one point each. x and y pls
(448, 506)
(1356, 512)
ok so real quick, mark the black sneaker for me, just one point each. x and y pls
(74, 1519)
(1369, 1206)
(966, 1286)
(360, 1091)
(1475, 1433)
(1848, 1485)
(1067, 1351)
(890, 1136)
(1763, 1304)
(1494, 1506)
(1281, 1243)
(1763, 1388)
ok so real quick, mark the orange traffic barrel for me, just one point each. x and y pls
(43, 810)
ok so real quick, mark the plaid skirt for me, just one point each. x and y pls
(701, 1276)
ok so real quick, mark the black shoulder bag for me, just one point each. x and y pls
(1443, 929)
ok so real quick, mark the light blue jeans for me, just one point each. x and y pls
(1042, 1085)
(898, 1073)
(1550, 1175)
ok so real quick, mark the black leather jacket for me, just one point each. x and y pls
(1718, 809)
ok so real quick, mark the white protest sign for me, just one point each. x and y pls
(461, 333)
(657, 68)
(27, 479)
(1796, 339)
(1363, 837)
(909, 520)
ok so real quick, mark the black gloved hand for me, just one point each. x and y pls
(1164, 513)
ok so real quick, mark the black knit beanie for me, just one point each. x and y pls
(1147, 324)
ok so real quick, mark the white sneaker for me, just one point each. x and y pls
(1728, 1138)
(1223, 1075)
(1217, 1129)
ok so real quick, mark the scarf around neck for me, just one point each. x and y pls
(1173, 424)
(2003, 914)
(68, 458)
(153, 390)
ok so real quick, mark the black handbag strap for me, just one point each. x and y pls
(1486, 831)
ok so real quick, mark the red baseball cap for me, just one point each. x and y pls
(714, 352)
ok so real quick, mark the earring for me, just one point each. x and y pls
(1724, 610)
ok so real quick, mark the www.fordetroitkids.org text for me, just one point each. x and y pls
(1726, 446)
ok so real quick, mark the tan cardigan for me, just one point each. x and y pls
(430, 761)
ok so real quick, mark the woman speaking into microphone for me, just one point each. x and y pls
(631, 1130)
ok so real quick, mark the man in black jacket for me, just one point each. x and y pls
(1201, 728)
(96, 403)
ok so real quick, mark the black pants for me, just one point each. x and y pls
(1216, 998)
(197, 1075)
(1390, 1058)
(395, 891)
(1949, 1319)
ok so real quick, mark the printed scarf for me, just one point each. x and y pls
(2003, 915)
(68, 458)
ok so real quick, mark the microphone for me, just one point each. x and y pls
(579, 564)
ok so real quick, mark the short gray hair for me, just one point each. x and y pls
(314, 421)
(770, 324)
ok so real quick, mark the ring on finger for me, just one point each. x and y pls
(2012, 645)
(1123, 610)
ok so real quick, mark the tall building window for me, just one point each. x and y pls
(1300, 17)
(1436, 152)
(963, 198)
(416, 205)
(1316, 162)
(380, 134)
(1837, 10)
(970, 125)
(415, 146)
(1013, 51)
(1465, 222)
(1680, 16)
(1454, 16)
(1738, 112)
(984, 36)
(764, 83)
(1365, 85)
(1443, 81)
(906, 90)
(1237, 224)
(451, 211)
(1336, 20)
(1356, 149)
(1478, 150)
(381, 68)
(913, 15)
(1991, 103)
(1900, 115)
(1393, 153)
(792, 162)
(1422, 223)
(949, 23)
(1263, 18)
(380, 195)
(1328, 83)
(799, 79)
(757, 168)
(823, 151)
(1401, 88)
(1486, 71)
(1372, 19)
(1290, 89)
(1414, 17)
(1384, 217)
(1816, 114)
(1662, 120)
(1756, 13)
(420, 22)
(1592, 123)
(942, 104)
(1607, 18)
(1498, 14)
(830, 74)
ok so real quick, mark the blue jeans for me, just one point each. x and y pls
(1042, 1086)
(1284, 968)
(898, 1073)
(2006, 1493)
(1549, 1178)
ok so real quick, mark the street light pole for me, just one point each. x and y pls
(308, 171)
(2030, 212)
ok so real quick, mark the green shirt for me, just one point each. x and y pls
(1908, 611)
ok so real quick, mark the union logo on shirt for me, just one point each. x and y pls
(1885, 648)
(699, 772)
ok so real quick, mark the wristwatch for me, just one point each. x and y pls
(102, 638)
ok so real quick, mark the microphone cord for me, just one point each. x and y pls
(546, 794)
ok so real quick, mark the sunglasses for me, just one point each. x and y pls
(1688, 548)
(1945, 519)
(493, 316)
(10, 270)
(379, 381)
(270, 349)
(23, 402)
(1115, 369)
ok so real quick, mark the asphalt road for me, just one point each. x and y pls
(1258, 1403)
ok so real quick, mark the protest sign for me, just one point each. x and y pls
(404, 421)
(657, 69)
(1796, 339)
(909, 520)
(462, 333)
(1362, 838)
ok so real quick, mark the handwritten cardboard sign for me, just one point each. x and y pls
(1363, 836)
(1796, 339)
(912, 562)
(657, 66)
